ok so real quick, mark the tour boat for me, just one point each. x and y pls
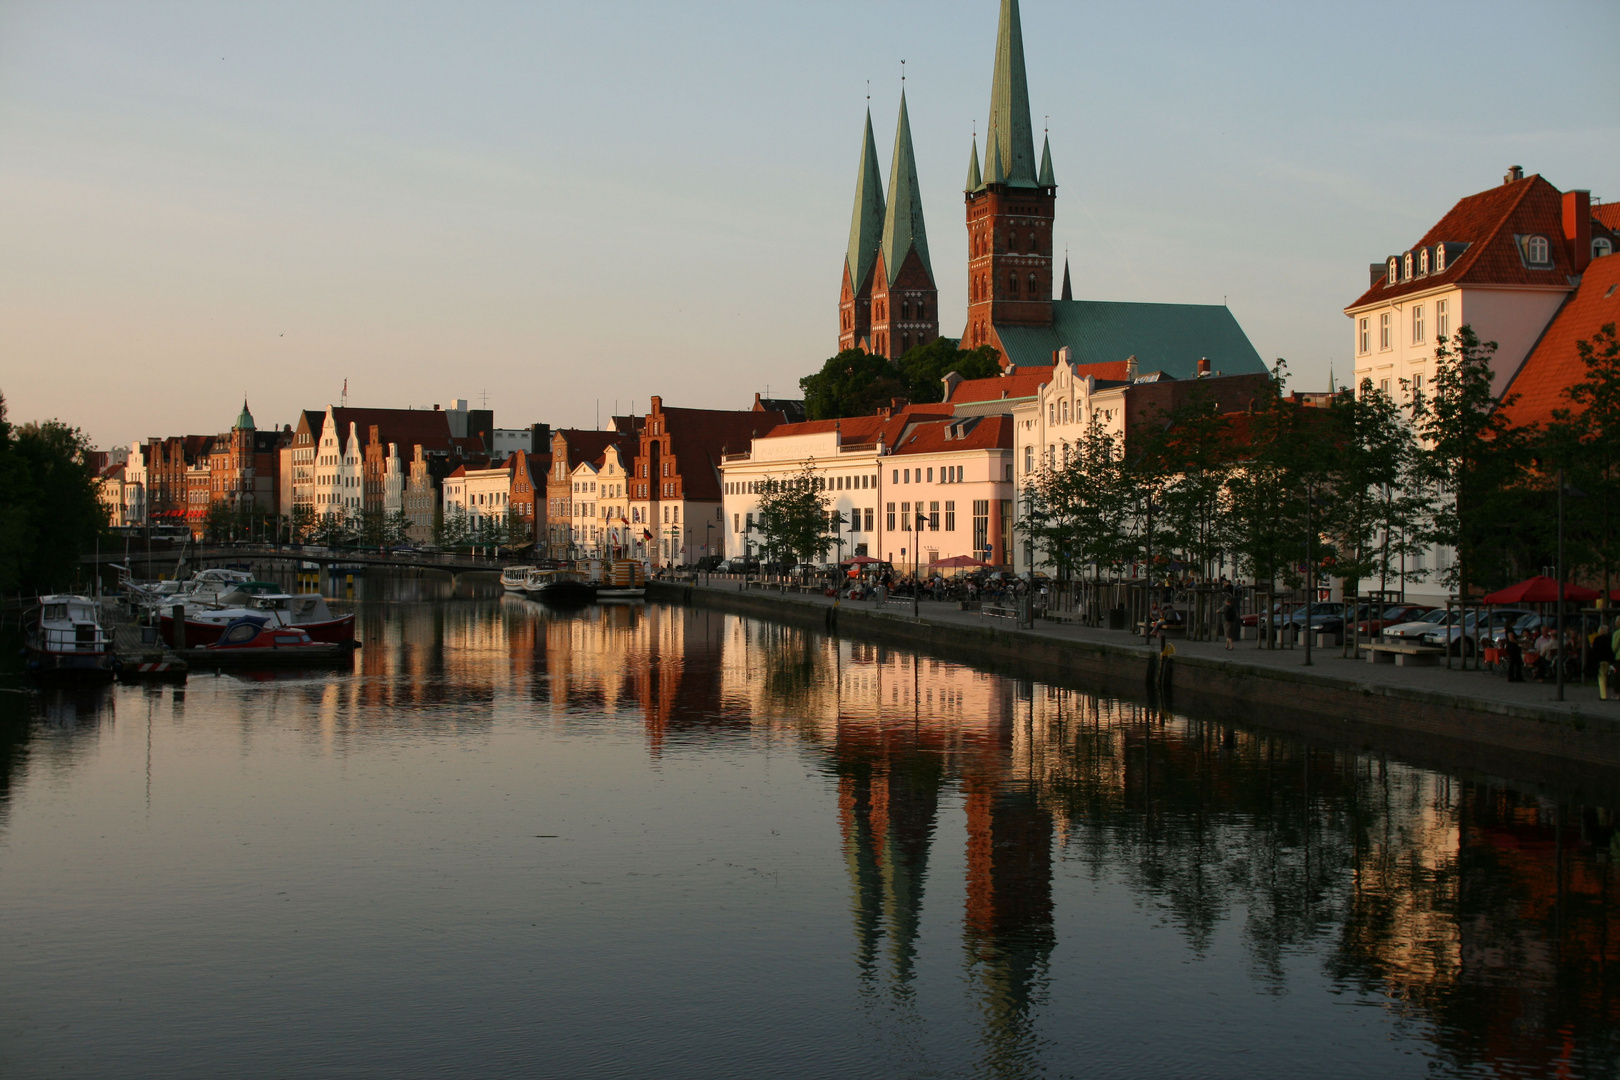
(514, 579)
(306, 611)
(254, 640)
(65, 640)
(559, 587)
(623, 579)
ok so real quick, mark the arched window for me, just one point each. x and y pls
(1034, 245)
(1393, 274)
(1406, 267)
(1423, 262)
(1539, 252)
(1601, 247)
(1012, 284)
(922, 310)
(1034, 286)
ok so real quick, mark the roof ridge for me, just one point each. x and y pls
(1475, 250)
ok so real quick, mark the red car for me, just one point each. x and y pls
(1392, 616)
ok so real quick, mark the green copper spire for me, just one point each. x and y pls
(903, 226)
(974, 181)
(1047, 179)
(1010, 128)
(994, 171)
(866, 225)
(245, 421)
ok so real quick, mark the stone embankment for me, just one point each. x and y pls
(1464, 719)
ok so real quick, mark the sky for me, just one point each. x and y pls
(571, 207)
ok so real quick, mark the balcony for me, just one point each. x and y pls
(744, 456)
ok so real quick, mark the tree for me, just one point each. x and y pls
(1079, 512)
(1587, 446)
(50, 512)
(300, 520)
(372, 527)
(1191, 455)
(396, 528)
(333, 529)
(218, 520)
(794, 519)
(1474, 462)
(450, 531)
(1266, 517)
(853, 383)
(1373, 508)
(517, 530)
(923, 367)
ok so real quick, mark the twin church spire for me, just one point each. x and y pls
(889, 301)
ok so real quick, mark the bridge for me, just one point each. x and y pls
(163, 560)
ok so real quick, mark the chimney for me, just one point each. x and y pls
(1375, 272)
(1513, 174)
(1203, 366)
(1130, 369)
(1578, 228)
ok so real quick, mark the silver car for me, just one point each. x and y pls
(1414, 631)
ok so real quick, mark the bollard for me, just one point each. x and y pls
(179, 617)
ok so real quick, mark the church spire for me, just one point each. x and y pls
(903, 226)
(974, 181)
(1010, 129)
(1047, 179)
(1068, 290)
(994, 170)
(866, 224)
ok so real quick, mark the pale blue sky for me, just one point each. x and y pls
(559, 203)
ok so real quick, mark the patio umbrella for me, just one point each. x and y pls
(859, 560)
(1539, 590)
(958, 560)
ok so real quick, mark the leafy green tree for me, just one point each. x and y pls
(1191, 454)
(516, 531)
(218, 521)
(372, 527)
(1266, 517)
(451, 530)
(1369, 504)
(334, 528)
(794, 518)
(924, 366)
(300, 521)
(50, 513)
(1079, 512)
(1474, 461)
(396, 528)
(1586, 444)
(853, 383)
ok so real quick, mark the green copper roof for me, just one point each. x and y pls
(974, 182)
(245, 421)
(994, 173)
(1010, 129)
(903, 229)
(1047, 179)
(866, 225)
(1162, 337)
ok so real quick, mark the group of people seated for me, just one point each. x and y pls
(1536, 654)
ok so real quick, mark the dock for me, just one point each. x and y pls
(141, 659)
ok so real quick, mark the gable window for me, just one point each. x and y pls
(1383, 331)
(1423, 263)
(1363, 337)
(1602, 246)
(1406, 267)
(1439, 258)
(1442, 318)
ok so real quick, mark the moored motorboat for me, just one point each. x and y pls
(253, 641)
(306, 611)
(623, 579)
(559, 587)
(65, 640)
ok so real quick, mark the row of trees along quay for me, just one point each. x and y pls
(1355, 489)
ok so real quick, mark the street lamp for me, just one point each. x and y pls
(916, 551)
(1573, 493)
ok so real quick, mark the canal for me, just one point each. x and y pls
(641, 841)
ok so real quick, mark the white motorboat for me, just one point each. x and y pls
(305, 611)
(65, 640)
(515, 579)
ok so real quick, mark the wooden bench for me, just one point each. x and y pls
(1000, 612)
(1403, 655)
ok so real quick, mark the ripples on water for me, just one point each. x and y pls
(652, 841)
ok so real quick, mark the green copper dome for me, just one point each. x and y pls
(245, 421)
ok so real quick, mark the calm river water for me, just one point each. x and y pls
(652, 841)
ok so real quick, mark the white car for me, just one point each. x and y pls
(1414, 631)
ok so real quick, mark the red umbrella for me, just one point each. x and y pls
(1539, 590)
(959, 560)
(859, 560)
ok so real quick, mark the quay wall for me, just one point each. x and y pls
(1553, 746)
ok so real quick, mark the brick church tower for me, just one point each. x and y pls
(865, 237)
(889, 301)
(1009, 205)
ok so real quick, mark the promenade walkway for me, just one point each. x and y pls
(1477, 689)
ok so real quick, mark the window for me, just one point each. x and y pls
(1538, 250)
(1442, 318)
(1423, 263)
(1406, 266)
(1417, 385)
(1033, 285)
(981, 526)
(896, 475)
(1439, 258)
(1417, 325)
(905, 517)
(950, 516)
(1601, 247)
(930, 476)
(1363, 336)
(1383, 331)
(1393, 273)
(933, 516)
(1012, 284)
(854, 520)
(890, 516)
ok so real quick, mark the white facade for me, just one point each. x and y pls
(135, 485)
(481, 493)
(338, 471)
(849, 472)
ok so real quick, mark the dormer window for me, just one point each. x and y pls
(1536, 250)
(1439, 258)
(1423, 263)
(1394, 273)
(1602, 246)
(1406, 267)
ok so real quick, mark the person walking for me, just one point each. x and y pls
(1603, 653)
(1229, 615)
(1515, 658)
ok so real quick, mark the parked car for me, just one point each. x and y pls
(740, 565)
(1412, 632)
(1391, 616)
(709, 563)
(1462, 639)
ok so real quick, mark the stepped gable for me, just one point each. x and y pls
(1488, 222)
(1554, 364)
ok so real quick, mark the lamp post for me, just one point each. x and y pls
(1574, 493)
(916, 551)
(1310, 576)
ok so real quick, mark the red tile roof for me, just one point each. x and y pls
(1026, 380)
(1487, 223)
(989, 433)
(699, 437)
(1553, 365)
(587, 444)
(1608, 215)
(429, 428)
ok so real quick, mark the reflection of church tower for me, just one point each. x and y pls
(888, 803)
